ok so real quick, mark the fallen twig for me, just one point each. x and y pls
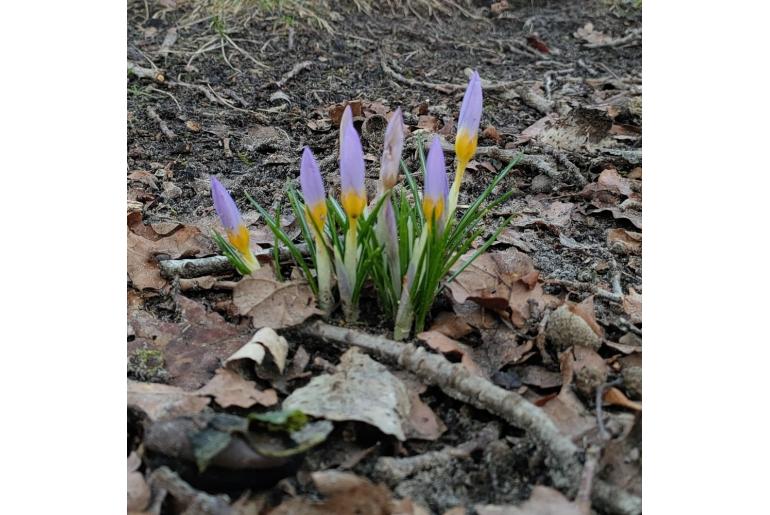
(455, 381)
(393, 470)
(216, 265)
(293, 72)
(446, 87)
(539, 162)
(146, 73)
(603, 434)
(163, 126)
(587, 287)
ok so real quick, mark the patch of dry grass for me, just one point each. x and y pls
(323, 14)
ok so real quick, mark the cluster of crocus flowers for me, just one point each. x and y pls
(404, 242)
(236, 231)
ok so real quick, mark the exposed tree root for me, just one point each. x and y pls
(454, 380)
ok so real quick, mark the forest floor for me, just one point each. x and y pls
(552, 314)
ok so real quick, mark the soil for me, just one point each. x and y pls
(230, 117)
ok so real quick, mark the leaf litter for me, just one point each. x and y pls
(187, 335)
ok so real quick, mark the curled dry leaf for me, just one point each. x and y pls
(161, 401)
(624, 242)
(506, 282)
(543, 501)
(451, 349)
(272, 303)
(614, 397)
(361, 389)
(632, 305)
(275, 344)
(230, 389)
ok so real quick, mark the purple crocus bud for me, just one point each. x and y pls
(312, 189)
(470, 117)
(393, 145)
(352, 169)
(225, 206)
(236, 230)
(436, 186)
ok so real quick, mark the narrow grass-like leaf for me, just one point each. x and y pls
(293, 250)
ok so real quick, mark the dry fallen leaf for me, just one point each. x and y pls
(138, 491)
(451, 349)
(569, 414)
(146, 246)
(589, 34)
(346, 494)
(614, 397)
(230, 389)
(624, 242)
(272, 303)
(451, 325)
(543, 501)
(192, 347)
(553, 215)
(505, 281)
(538, 376)
(275, 344)
(361, 389)
(632, 305)
(422, 424)
(160, 401)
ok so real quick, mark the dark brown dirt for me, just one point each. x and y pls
(347, 65)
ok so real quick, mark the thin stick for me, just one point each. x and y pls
(163, 126)
(215, 265)
(455, 381)
(587, 287)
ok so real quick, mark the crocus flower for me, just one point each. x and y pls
(393, 145)
(315, 209)
(313, 190)
(237, 233)
(436, 187)
(468, 124)
(352, 169)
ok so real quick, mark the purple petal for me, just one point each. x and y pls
(436, 185)
(393, 145)
(351, 159)
(225, 206)
(470, 110)
(310, 179)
